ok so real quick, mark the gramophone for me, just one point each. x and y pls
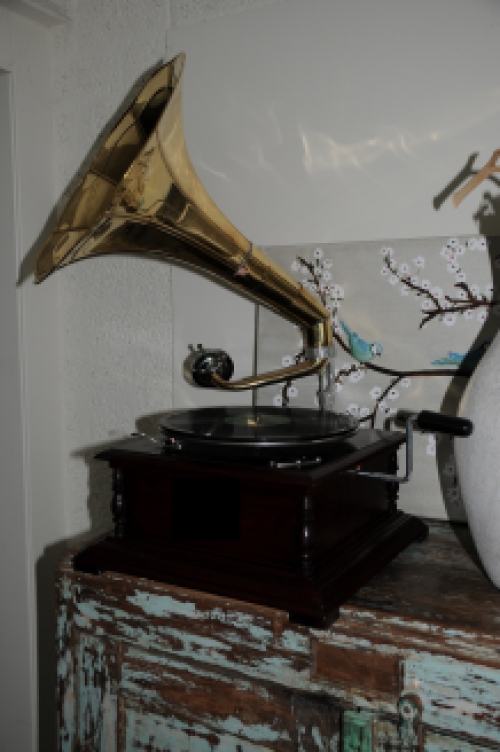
(290, 508)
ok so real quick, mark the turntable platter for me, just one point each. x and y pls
(259, 432)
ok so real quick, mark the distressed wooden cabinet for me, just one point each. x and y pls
(412, 664)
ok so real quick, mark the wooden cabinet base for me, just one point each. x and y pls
(310, 598)
(301, 539)
(412, 664)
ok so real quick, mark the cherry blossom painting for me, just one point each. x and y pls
(411, 320)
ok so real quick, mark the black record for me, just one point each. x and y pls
(255, 432)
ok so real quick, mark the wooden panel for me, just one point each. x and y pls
(360, 668)
(221, 711)
(97, 700)
(457, 697)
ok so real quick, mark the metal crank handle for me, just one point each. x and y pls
(425, 421)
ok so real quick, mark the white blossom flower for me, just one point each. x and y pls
(445, 304)
(437, 292)
(431, 439)
(453, 242)
(384, 271)
(405, 290)
(338, 291)
(471, 244)
(382, 405)
(449, 470)
(387, 251)
(453, 494)
(475, 290)
(353, 409)
(375, 392)
(468, 314)
(318, 253)
(406, 382)
(328, 263)
(482, 316)
(461, 249)
(364, 412)
(286, 361)
(330, 306)
(295, 266)
(446, 252)
(293, 392)
(327, 276)
(453, 267)
(462, 295)
(415, 280)
(449, 319)
(393, 264)
(482, 244)
(354, 377)
(345, 366)
(277, 400)
(404, 269)
(393, 394)
(393, 279)
(419, 262)
(461, 277)
(431, 449)
(488, 291)
(426, 305)
(425, 284)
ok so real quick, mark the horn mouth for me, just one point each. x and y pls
(96, 192)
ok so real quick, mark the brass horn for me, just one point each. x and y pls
(142, 195)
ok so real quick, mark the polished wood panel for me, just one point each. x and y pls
(302, 539)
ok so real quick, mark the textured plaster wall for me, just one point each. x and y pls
(116, 312)
(191, 11)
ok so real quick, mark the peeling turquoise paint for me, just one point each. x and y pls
(162, 605)
(457, 696)
(172, 734)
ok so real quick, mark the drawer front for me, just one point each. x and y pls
(457, 697)
(186, 706)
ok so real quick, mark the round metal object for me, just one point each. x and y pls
(255, 432)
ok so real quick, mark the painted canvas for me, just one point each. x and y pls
(412, 318)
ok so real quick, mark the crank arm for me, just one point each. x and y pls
(425, 422)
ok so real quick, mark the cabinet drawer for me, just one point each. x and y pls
(190, 707)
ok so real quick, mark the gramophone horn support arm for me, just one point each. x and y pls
(298, 371)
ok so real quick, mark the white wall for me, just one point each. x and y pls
(322, 121)
(33, 517)
(116, 312)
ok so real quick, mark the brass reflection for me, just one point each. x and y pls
(142, 195)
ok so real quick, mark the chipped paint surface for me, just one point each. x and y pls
(145, 666)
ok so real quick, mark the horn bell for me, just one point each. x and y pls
(141, 195)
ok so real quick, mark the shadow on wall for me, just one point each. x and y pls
(487, 218)
(99, 500)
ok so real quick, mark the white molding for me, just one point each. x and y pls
(45, 12)
(30, 594)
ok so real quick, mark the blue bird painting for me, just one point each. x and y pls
(464, 361)
(361, 350)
